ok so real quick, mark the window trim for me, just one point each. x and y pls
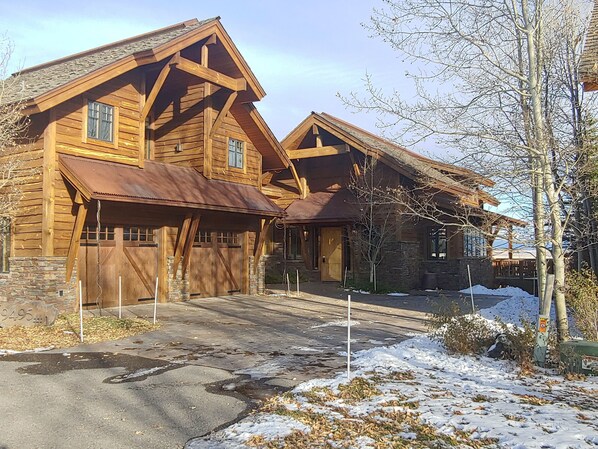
(115, 124)
(430, 243)
(244, 142)
(472, 236)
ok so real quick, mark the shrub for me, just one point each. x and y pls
(582, 298)
(521, 343)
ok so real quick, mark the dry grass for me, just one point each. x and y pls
(64, 332)
(334, 424)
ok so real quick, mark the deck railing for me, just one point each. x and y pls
(516, 268)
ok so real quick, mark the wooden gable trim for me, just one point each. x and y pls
(302, 192)
(75, 242)
(151, 98)
(328, 150)
(222, 114)
(103, 74)
(465, 195)
(261, 125)
(207, 74)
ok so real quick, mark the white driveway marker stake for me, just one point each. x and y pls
(349, 337)
(470, 290)
(81, 310)
(120, 296)
(288, 285)
(297, 282)
(156, 301)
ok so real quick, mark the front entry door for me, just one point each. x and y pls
(332, 254)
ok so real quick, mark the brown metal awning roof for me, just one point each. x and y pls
(323, 207)
(162, 184)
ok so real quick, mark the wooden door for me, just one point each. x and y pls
(130, 253)
(216, 264)
(332, 254)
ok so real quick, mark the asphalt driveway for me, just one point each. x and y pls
(210, 363)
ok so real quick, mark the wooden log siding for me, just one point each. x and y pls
(27, 240)
(122, 93)
(180, 121)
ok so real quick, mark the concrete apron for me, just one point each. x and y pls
(209, 364)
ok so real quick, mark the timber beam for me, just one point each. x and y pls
(151, 98)
(189, 242)
(75, 242)
(210, 75)
(260, 242)
(302, 192)
(180, 244)
(225, 109)
(328, 150)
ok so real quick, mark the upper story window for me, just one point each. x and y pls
(474, 243)
(236, 151)
(100, 121)
(437, 244)
(4, 244)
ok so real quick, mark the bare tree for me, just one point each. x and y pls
(13, 125)
(377, 219)
(487, 87)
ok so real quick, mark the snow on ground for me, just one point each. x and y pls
(486, 400)
(397, 294)
(339, 323)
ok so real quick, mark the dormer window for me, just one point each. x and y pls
(100, 121)
(236, 151)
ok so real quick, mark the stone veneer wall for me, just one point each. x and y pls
(400, 267)
(452, 274)
(40, 278)
(178, 287)
(257, 280)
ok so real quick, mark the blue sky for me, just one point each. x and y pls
(303, 52)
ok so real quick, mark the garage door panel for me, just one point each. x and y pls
(139, 268)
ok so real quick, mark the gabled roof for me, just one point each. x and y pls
(46, 85)
(400, 159)
(162, 184)
(588, 64)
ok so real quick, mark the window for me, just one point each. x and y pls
(437, 244)
(4, 244)
(90, 234)
(293, 244)
(228, 238)
(139, 234)
(474, 243)
(236, 149)
(100, 121)
(203, 237)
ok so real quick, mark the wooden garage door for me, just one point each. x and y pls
(216, 264)
(129, 252)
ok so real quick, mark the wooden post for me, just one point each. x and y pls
(180, 245)
(189, 243)
(48, 191)
(76, 235)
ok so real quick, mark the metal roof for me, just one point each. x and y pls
(337, 206)
(163, 184)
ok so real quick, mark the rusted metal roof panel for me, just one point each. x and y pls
(163, 184)
(324, 207)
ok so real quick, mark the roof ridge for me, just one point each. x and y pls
(184, 24)
(381, 139)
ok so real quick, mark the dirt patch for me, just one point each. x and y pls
(64, 332)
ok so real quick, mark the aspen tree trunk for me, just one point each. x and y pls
(532, 27)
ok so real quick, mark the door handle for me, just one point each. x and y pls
(323, 259)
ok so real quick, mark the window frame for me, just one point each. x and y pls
(434, 236)
(475, 244)
(243, 153)
(95, 140)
